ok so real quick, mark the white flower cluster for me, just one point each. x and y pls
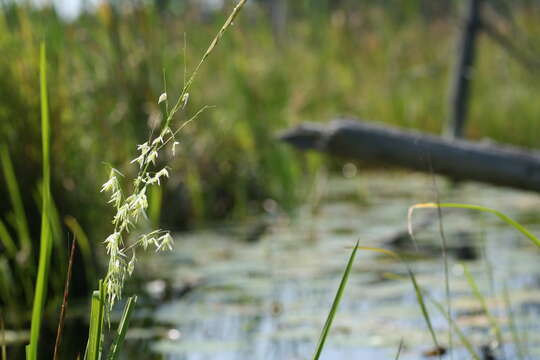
(129, 210)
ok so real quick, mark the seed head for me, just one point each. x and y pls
(162, 98)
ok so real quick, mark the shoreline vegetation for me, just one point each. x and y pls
(371, 62)
(109, 76)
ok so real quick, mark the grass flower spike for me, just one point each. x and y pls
(131, 207)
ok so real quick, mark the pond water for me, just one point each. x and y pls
(263, 291)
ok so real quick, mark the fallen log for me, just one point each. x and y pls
(457, 159)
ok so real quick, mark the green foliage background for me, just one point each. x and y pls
(387, 62)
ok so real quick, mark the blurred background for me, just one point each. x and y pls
(282, 63)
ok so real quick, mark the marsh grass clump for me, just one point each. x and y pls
(105, 83)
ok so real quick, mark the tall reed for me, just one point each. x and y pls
(40, 293)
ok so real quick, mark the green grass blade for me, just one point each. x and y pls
(400, 347)
(421, 302)
(522, 229)
(21, 222)
(3, 331)
(466, 343)
(516, 338)
(154, 206)
(45, 239)
(7, 283)
(57, 236)
(24, 273)
(229, 22)
(7, 240)
(97, 312)
(84, 245)
(417, 290)
(483, 304)
(122, 329)
(335, 304)
(64, 306)
(55, 227)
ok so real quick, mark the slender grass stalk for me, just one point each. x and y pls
(400, 347)
(63, 308)
(417, 290)
(7, 285)
(60, 249)
(155, 200)
(56, 278)
(522, 229)
(7, 241)
(462, 337)
(483, 304)
(24, 273)
(84, 246)
(490, 276)
(422, 303)
(335, 304)
(518, 343)
(95, 332)
(444, 250)
(182, 99)
(45, 238)
(4, 345)
(116, 346)
(21, 222)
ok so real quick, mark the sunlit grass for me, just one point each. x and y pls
(335, 305)
(23, 233)
(494, 323)
(522, 229)
(95, 331)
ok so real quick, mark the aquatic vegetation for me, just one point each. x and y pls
(231, 167)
